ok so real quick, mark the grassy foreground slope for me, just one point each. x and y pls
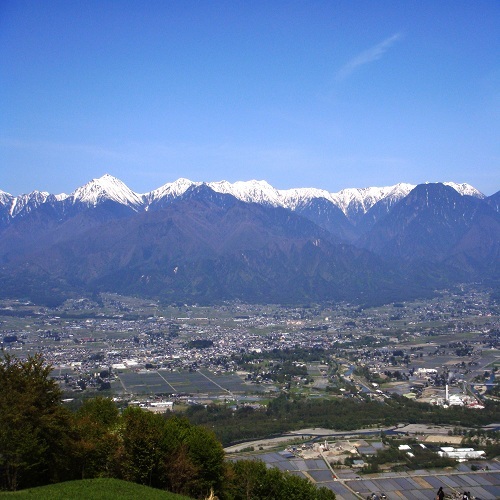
(102, 489)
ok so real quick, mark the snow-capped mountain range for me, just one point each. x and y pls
(353, 202)
(195, 241)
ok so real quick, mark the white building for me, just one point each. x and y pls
(461, 454)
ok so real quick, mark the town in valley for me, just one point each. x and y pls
(169, 357)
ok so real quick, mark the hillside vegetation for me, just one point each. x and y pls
(101, 488)
(42, 442)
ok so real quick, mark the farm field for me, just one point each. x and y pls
(185, 382)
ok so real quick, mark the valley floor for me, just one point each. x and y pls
(313, 461)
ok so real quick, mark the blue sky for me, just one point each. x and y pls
(327, 94)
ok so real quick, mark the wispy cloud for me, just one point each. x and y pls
(367, 56)
(52, 147)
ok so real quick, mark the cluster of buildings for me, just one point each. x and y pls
(397, 346)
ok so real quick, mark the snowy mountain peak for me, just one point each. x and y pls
(249, 191)
(360, 200)
(5, 198)
(27, 202)
(293, 198)
(465, 189)
(106, 187)
(170, 190)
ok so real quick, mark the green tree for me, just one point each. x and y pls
(170, 454)
(101, 410)
(207, 455)
(246, 479)
(252, 480)
(142, 434)
(96, 444)
(34, 427)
